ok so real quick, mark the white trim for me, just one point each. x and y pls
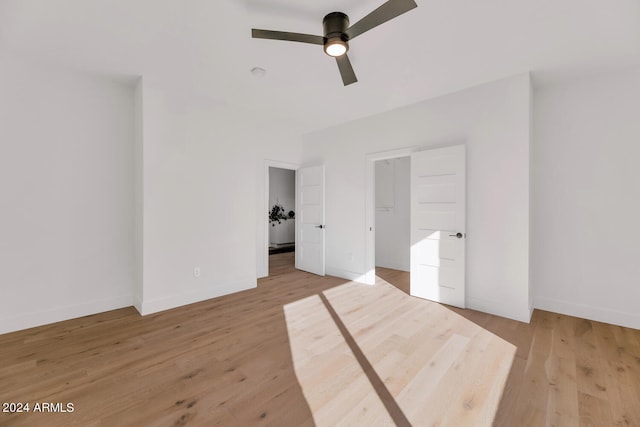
(178, 300)
(499, 309)
(614, 317)
(137, 304)
(59, 314)
(370, 207)
(347, 275)
(265, 250)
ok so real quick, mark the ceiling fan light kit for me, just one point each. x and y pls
(338, 33)
(336, 47)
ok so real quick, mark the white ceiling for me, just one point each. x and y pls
(204, 47)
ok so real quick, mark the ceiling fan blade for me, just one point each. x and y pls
(291, 37)
(346, 70)
(384, 13)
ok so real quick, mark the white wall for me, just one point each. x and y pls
(204, 203)
(493, 121)
(113, 193)
(282, 190)
(393, 237)
(586, 198)
(66, 167)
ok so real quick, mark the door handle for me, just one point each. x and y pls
(458, 235)
(320, 226)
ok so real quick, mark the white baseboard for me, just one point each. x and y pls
(178, 300)
(629, 320)
(59, 314)
(499, 309)
(137, 304)
(347, 274)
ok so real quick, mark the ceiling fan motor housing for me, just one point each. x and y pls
(334, 26)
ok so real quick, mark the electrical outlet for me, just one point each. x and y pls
(196, 272)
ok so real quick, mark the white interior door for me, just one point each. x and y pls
(310, 227)
(438, 225)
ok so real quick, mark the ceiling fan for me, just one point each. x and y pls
(338, 33)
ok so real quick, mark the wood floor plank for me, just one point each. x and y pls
(560, 365)
(590, 369)
(619, 382)
(594, 411)
(508, 407)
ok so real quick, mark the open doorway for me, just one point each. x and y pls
(392, 221)
(281, 213)
(437, 221)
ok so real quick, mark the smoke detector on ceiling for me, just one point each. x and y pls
(258, 72)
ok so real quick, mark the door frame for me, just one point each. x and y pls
(268, 163)
(370, 207)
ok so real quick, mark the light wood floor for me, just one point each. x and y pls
(306, 350)
(567, 371)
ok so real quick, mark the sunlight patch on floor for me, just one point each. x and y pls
(333, 382)
(437, 367)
